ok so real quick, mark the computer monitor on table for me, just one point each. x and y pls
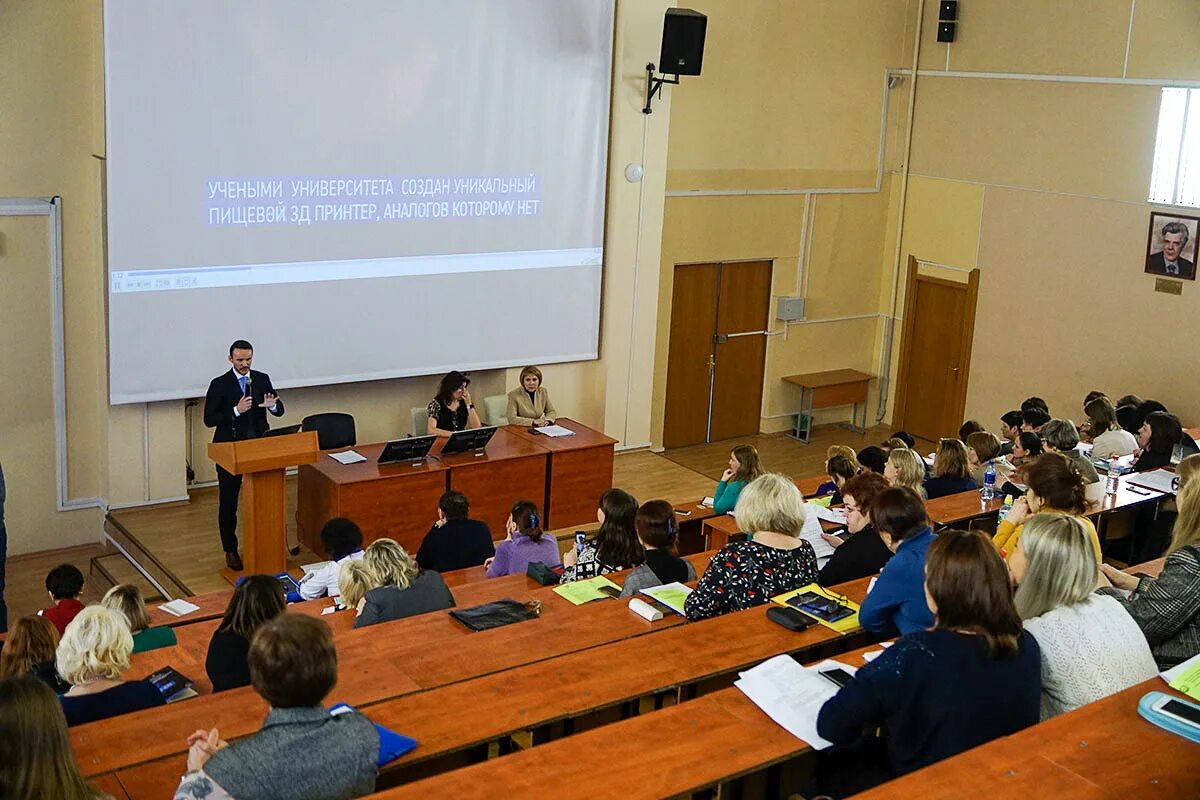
(412, 450)
(465, 441)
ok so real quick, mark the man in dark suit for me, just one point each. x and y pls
(236, 405)
(1170, 260)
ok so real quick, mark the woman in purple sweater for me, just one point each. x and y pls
(526, 543)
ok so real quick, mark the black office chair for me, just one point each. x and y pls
(334, 429)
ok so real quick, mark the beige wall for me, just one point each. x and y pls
(791, 99)
(1042, 184)
(53, 124)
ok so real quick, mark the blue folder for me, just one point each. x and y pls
(392, 745)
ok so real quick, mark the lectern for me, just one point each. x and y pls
(262, 463)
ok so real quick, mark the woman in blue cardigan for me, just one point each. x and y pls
(897, 604)
(743, 468)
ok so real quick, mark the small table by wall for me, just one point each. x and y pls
(831, 389)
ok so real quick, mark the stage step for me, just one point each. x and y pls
(113, 568)
(139, 560)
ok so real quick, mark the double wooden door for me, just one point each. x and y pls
(717, 353)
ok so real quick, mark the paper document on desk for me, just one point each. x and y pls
(1185, 677)
(929, 459)
(347, 457)
(835, 515)
(811, 533)
(1160, 480)
(179, 608)
(671, 595)
(585, 591)
(791, 695)
(554, 431)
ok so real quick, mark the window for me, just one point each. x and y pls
(1175, 180)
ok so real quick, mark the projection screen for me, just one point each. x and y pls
(363, 190)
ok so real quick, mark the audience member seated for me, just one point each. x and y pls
(614, 547)
(1054, 485)
(983, 448)
(1127, 418)
(935, 693)
(1035, 402)
(1010, 429)
(907, 438)
(65, 585)
(897, 602)
(772, 561)
(1027, 447)
(894, 443)
(1157, 438)
(873, 458)
(353, 583)
(1146, 408)
(36, 761)
(529, 404)
(951, 474)
(526, 543)
(906, 468)
(1085, 429)
(401, 588)
(1090, 646)
(969, 427)
(1061, 436)
(452, 410)
(127, 601)
(92, 656)
(29, 650)
(1032, 419)
(302, 750)
(455, 541)
(256, 601)
(847, 467)
(1128, 400)
(743, 467)
(1167, 607)
(657, 530)
(862, 552)
(342, 540)
(1109, 439)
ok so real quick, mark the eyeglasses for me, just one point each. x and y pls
(849, 508)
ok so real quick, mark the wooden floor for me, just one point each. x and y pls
(183, 536)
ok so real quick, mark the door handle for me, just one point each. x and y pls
(720, 338)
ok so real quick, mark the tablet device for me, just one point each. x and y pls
(820, 606)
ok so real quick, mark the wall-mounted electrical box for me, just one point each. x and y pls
(789, 309)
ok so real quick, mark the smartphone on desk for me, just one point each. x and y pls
(836, 676)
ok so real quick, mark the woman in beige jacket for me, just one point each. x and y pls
(529, 405)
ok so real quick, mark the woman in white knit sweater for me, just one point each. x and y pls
(1091, 647)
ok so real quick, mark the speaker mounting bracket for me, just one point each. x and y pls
(654, 86)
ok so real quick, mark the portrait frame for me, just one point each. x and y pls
(1154, 259)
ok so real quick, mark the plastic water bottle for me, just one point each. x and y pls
(1006, 506)
(989, 483)
(1113, 481)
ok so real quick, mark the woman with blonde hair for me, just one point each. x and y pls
(743, 467)
(126, 599)
(905, 468)
(1167, 607)
(529, 404)
(1091, 647)
(951, 473)
(29, 650)
(92, 657)
(401, 587)
(772, 561)
(35, 753)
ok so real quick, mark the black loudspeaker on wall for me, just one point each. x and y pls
(682, 42)
(947, 20)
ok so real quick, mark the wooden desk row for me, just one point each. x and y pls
(568, 687)
(564, 476)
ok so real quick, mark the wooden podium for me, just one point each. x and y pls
(262, 463)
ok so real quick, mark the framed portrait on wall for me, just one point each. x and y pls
(1171, 245)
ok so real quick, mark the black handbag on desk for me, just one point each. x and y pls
(494, 615)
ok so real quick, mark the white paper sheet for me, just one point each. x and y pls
(347, 457)
(554, 431)
(179, 608)
(1160, 480)
(835, 515)
(811, 533)
(791, 695)
(1177, 670)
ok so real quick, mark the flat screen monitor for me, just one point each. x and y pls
(464, 441)
(414, 448)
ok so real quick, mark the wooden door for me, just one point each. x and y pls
(740, 352)
(717, 351)
(935, 354)
(689, 354)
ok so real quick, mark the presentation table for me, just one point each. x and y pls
(564, 476)
(830, 389)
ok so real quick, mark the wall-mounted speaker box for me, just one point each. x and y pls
(948, 11)
(946, 31)
(682, 42)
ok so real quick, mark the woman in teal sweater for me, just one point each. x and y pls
(743, 468)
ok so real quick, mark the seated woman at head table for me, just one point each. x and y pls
(452, 410)
(529, 404)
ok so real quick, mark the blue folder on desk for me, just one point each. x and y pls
(392, 745)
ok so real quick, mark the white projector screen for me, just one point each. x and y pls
(363, 190)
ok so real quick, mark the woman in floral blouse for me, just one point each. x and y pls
(772, 561)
